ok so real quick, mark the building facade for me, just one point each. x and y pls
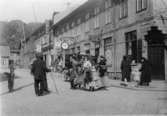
(4, 55)
(115, 28)
(39, 41)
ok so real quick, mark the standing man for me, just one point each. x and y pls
(126, 69)
(39, 70)
(11, 77)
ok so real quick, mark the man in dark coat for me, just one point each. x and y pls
(11, 77)
(39, 70)
(126, 69)
(145, 72)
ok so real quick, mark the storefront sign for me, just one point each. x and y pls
(64, 45)
(57, 44)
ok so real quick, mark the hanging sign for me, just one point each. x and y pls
(64, 45)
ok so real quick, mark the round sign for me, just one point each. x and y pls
(64, 45)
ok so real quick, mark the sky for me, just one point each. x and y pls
(32, 10)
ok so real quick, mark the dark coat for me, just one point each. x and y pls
(102, 68)
(39, 69)
(145, 72)
(126, 69)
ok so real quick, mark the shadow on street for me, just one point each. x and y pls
(17, 89)
(4, 76)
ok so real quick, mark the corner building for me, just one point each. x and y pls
(115, 28)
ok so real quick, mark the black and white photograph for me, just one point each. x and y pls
(83, 57)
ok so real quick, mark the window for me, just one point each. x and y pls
(141, 5)
(87, 16)
(78, 21)
(79, 30)
(107, 4)
(87, 26)
(108, 51)
(133, 46)
(97, 10)
(72, 25)
(96, 22)
(67, 27)
(123, 8)
(107, 17)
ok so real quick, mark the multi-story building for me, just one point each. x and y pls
(31, 46)
(115, 28)
(4, 54)
(38, 41)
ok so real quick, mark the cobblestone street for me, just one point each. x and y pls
(115, 100)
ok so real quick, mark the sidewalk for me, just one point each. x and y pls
(154, 85)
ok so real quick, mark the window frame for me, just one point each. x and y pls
(124, 8)
(107, 17)
(96, 22)
(142, 6)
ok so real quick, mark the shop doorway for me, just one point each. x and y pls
(155, 39)
(133, 46)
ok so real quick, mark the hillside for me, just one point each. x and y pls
(12, 32)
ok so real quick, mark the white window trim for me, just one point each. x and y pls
(123, 9)
(96, 22)
(141, 5)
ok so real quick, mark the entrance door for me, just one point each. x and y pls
(156, 58)
(155, 40)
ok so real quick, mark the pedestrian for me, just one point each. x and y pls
(87, 71)
(11, 76)
(145, 72)
(39, 70)
(125, 69)
(74, 71)
(102, 70)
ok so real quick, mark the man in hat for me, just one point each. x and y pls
(39, 70)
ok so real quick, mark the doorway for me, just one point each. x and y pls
(156, 57)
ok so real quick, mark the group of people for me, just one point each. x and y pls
(82, 71)
(141, 73)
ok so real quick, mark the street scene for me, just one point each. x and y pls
(83, 57)
(115, 100)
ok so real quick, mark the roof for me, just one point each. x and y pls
(65, 13)
(41, 29)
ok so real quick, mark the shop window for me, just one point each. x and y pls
(133, 46)
(108, 50)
